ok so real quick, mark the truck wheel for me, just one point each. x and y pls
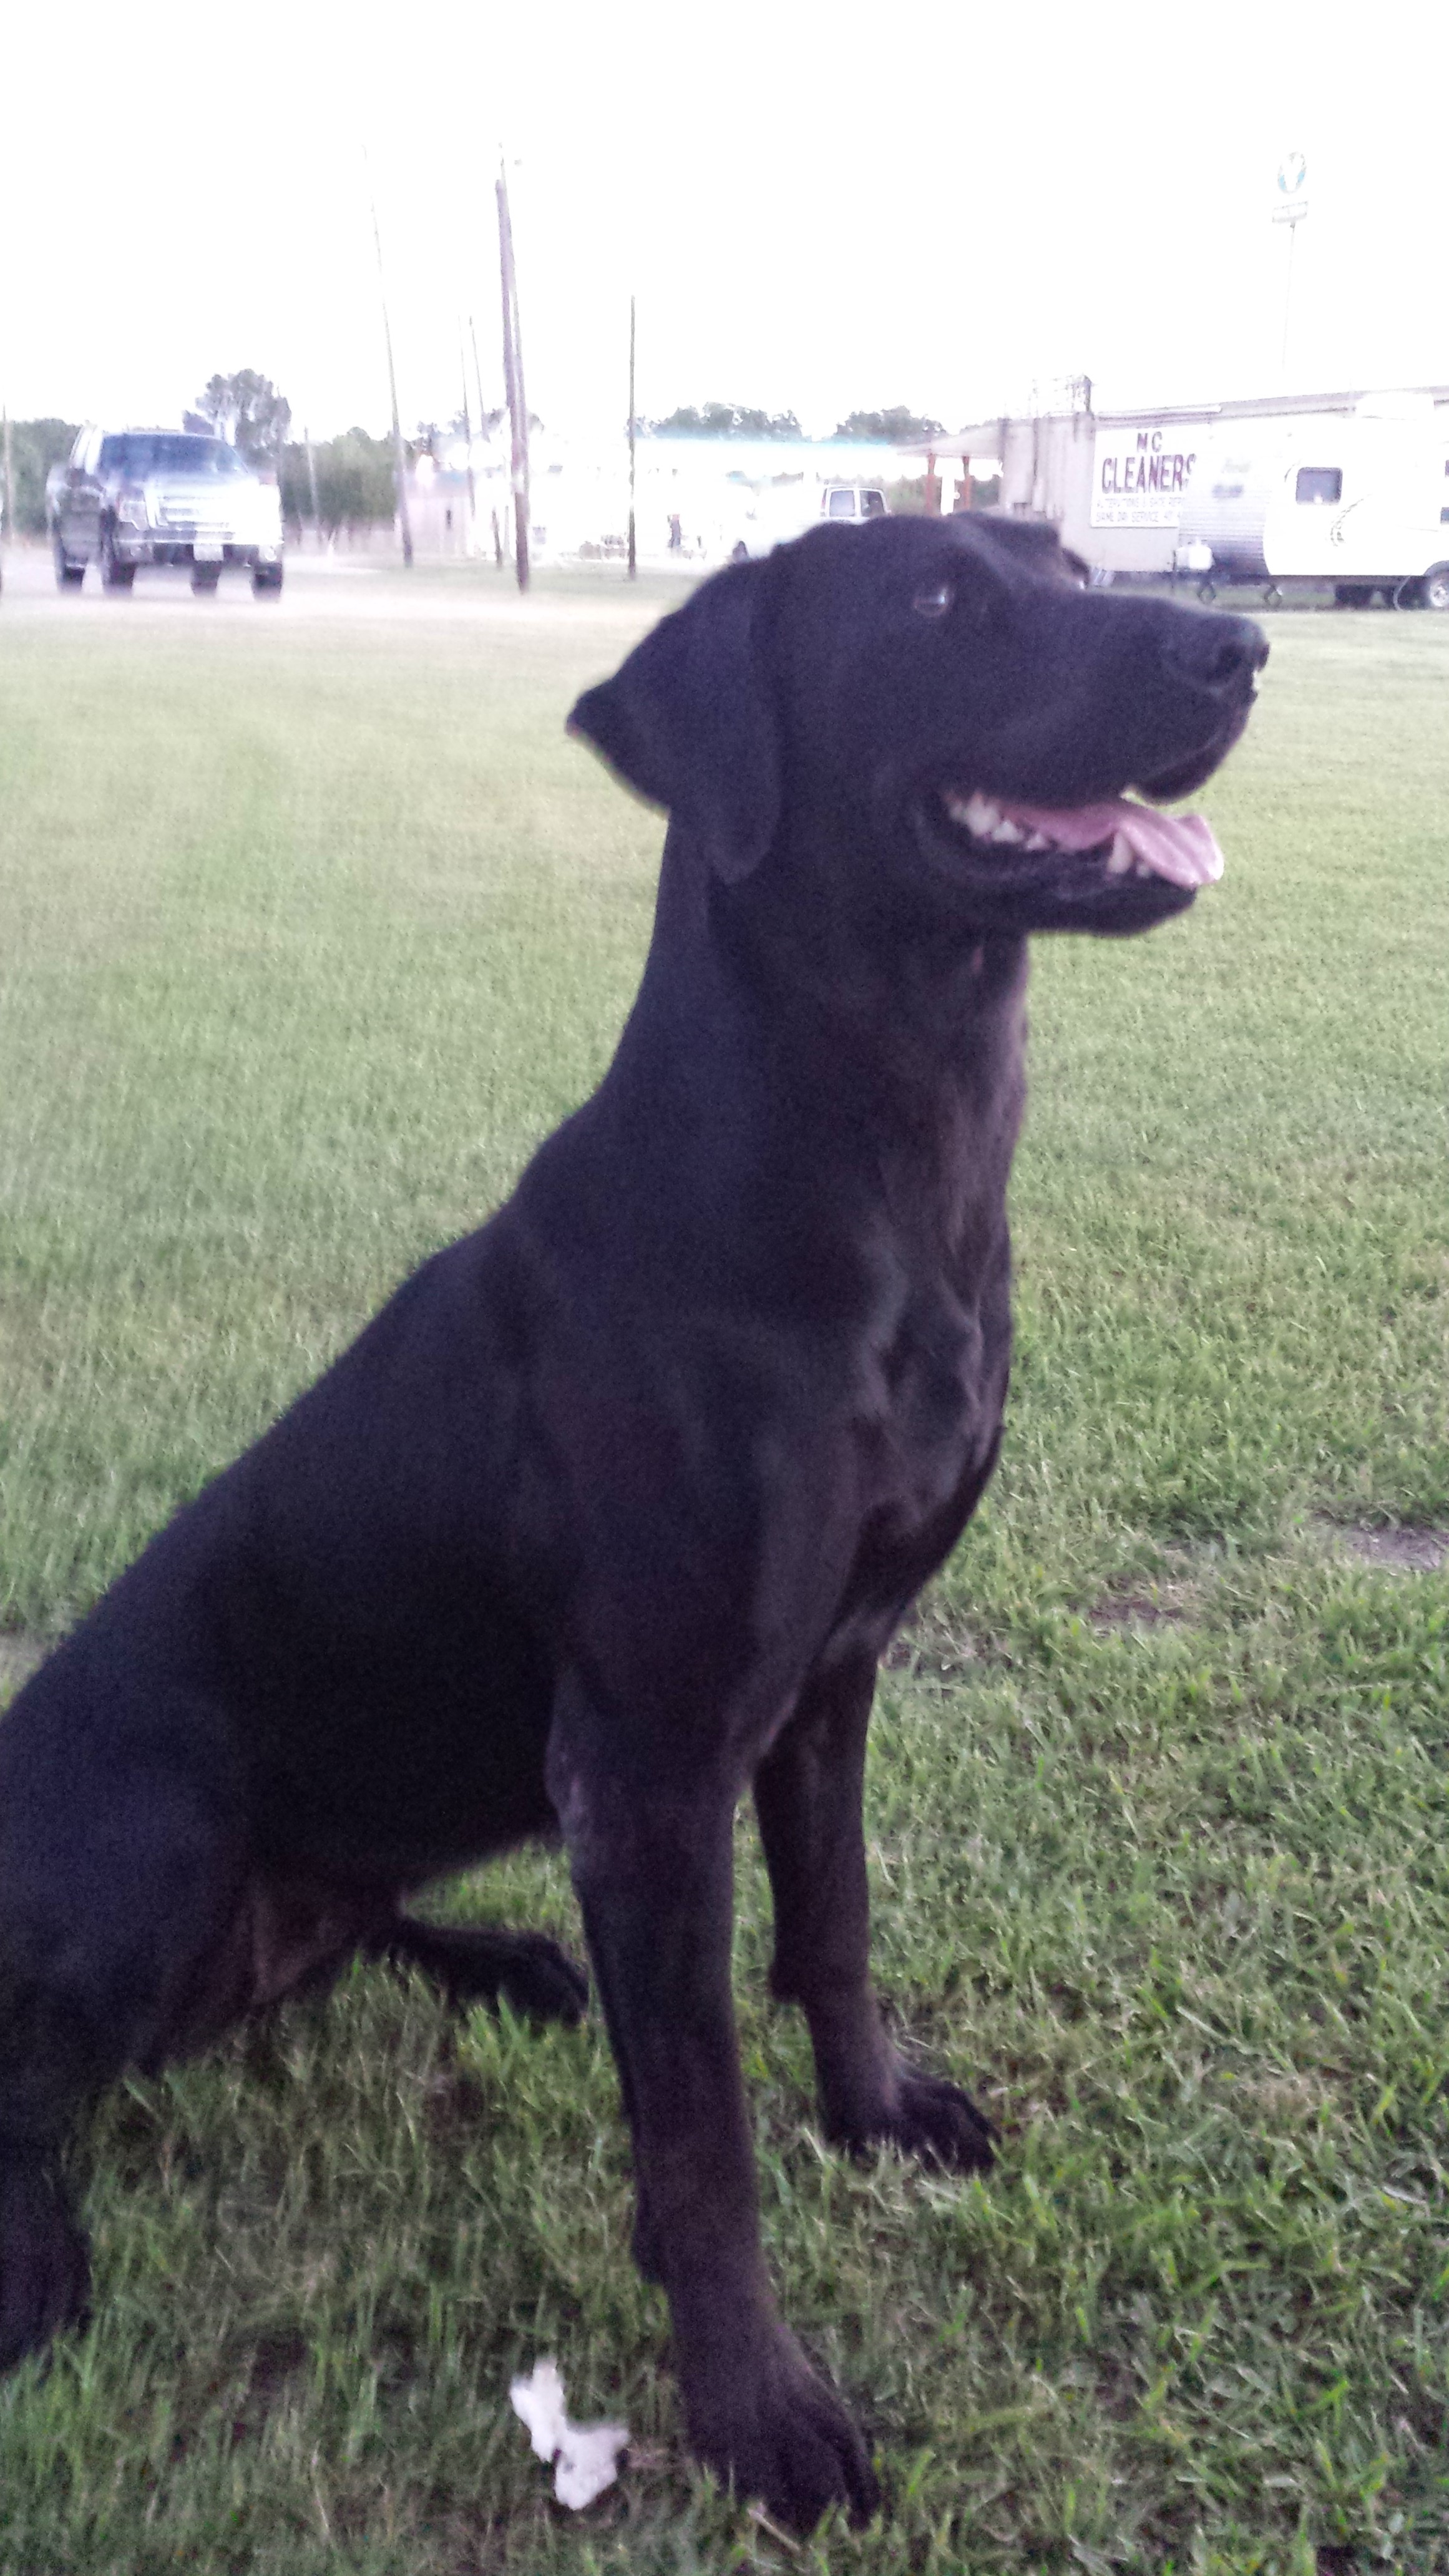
(1434, 588)
(68, 576)
(266, 581)
(115, 575)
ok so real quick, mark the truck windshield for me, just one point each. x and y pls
(160, 451)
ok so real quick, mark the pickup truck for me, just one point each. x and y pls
(126, 497)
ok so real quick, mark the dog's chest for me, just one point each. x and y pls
(933, 1395)
(932, 1386)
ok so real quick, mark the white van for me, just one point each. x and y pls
(776, 515)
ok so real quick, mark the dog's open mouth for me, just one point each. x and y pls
(1127, 838)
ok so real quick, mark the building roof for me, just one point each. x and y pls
(983, 437)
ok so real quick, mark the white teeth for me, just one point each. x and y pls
(983, 818)
(1119, 858)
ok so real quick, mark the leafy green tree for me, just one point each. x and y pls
(247, 409)
(895, 428)
(35, 445)
(727, 420)
(354, 481)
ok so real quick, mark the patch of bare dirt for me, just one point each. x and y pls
(1165, 1605)
(1407, 1551)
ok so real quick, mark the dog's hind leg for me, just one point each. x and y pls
(121, 1867)
(483, 1964)
(808, 1799)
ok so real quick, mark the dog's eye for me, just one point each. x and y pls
(934, 601)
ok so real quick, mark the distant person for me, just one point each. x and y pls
(676, 534)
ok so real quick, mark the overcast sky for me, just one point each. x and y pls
(818, 210)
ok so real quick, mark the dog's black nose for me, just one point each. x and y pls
(1219, 653)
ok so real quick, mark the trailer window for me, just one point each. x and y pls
(1319, 483)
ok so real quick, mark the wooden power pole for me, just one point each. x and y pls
(633, 551)
(399, 453)
(513, 383)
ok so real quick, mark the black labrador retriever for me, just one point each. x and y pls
(607, 1517)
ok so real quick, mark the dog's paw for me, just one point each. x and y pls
(541, 1981)
(778, 2434)
(44, 2266)
(932, 2120)
(477, 1963)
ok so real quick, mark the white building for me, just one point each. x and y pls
(1114, 483)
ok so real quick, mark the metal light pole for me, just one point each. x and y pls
(1291, 210)
(482, 417)
(468, 435)
(399, 454)
(312, 479)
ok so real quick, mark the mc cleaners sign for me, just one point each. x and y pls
(1138, 478)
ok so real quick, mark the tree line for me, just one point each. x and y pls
(351, 475)
(897, 427)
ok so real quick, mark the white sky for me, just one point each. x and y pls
(817, 209)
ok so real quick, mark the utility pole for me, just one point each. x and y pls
(468, 436)
(9, 481)
(633, 554)
(513, 382)
(399, 453)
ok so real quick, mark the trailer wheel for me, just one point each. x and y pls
(1207, 592)
(1434, 588)
(68, 576)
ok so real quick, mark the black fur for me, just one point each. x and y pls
(606, 1518)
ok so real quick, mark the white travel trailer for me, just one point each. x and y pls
(1360, 499)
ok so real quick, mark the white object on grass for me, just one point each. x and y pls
(587, 2454)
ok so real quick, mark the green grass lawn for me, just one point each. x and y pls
(311, 923)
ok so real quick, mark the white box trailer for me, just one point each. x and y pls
(1358, 499)
(1212, 491)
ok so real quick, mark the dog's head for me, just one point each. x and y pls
(944, 700)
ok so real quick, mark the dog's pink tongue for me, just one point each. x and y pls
(1180, 847)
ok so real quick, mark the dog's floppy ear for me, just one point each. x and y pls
(688, 721)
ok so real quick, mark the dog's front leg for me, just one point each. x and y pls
(650, 1851)
(808, 1798)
